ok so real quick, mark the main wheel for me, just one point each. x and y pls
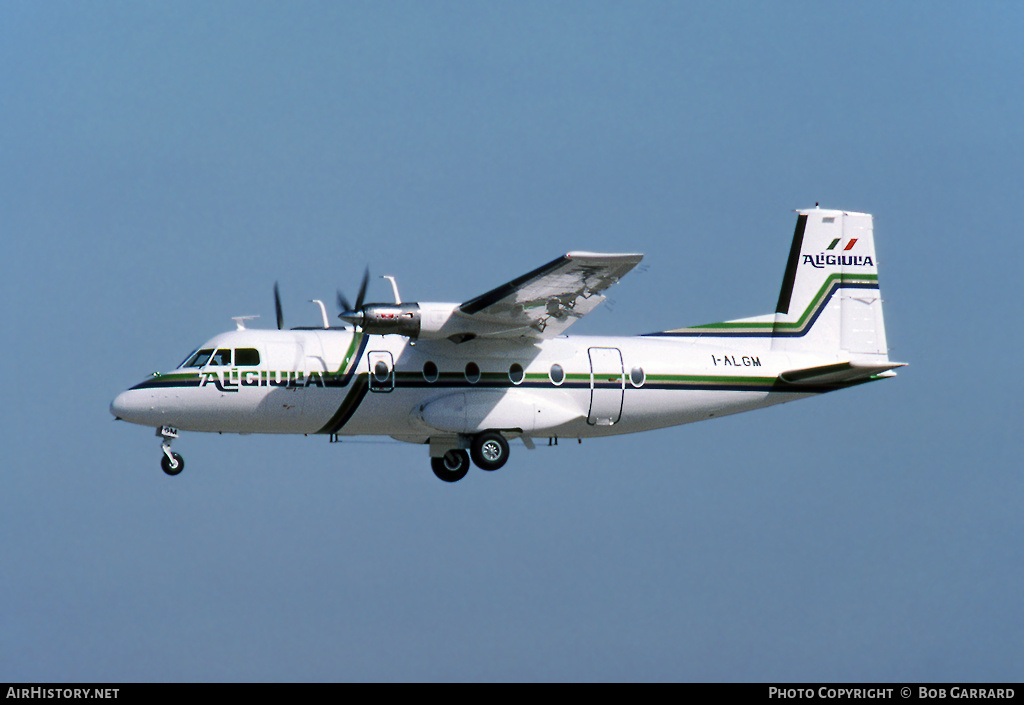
(489, 450)
(176, 467)
(452, 467)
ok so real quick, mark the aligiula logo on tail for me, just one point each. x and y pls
(820, 261)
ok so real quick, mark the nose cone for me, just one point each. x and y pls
(120, 406)
(133, 405)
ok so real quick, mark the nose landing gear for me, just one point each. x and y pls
(172, 463)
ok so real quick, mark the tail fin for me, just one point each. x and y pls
(830, 302)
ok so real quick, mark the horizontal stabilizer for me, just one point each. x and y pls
(841, 372)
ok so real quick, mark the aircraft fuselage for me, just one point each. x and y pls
(348, 383)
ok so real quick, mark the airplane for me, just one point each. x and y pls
(465, 379)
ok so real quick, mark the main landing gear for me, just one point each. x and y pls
(451, 467)
(172, 463)
(489, 450)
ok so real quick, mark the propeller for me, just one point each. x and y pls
(350, 313)
(277, 306)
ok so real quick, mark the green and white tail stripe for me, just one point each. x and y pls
(829, 300)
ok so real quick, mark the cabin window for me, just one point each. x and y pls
(472, 372)
(221, 358)
(199, 358)
(430, 371)
(516, 374)
(557, 374)
(247, 357)
(637, 376)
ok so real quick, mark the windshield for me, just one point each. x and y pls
(187, 358)
(222, 358)
(244, 357)
(198, 358)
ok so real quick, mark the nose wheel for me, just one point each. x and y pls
(172, 463)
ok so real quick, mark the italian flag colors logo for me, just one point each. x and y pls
(849, 245)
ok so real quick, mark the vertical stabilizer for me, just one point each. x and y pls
(829, 302)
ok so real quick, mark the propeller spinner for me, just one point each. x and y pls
(354, 314)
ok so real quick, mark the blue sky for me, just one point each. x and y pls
(165, 163)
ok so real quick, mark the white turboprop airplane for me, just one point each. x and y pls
(472, 376)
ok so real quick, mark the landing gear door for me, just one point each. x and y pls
(382, 371)
(607, 386)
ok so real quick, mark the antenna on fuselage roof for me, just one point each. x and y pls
(240, 321)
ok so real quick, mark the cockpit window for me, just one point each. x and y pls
(221, 358)
(199, 358)
(244, 357)
(184, 363)
(247, 357)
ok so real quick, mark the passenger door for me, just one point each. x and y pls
(607, 386)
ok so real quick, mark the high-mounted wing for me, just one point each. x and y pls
(539, 304)
(546, 301)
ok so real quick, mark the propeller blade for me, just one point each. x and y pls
(362, 290)
(277, 306)
(343, 303)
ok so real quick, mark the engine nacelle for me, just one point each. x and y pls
(414, 320)
(386, 319)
